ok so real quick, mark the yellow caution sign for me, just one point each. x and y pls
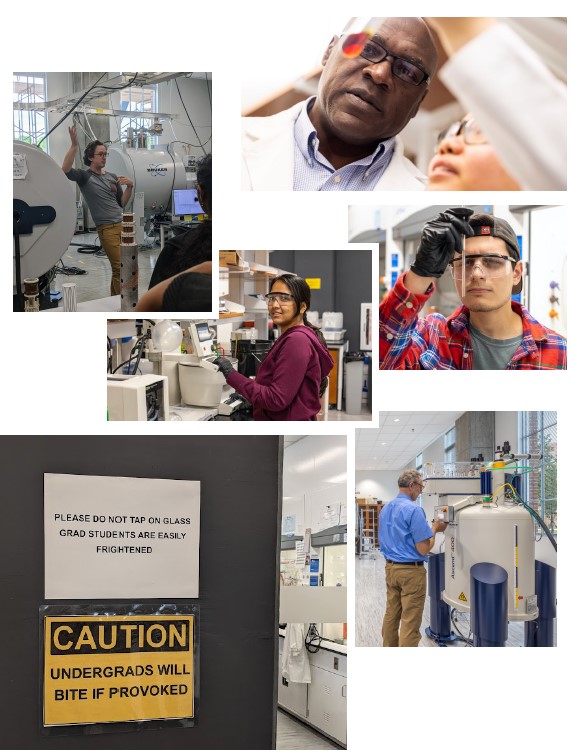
(314, 283)
(462, 597)
(118, 669)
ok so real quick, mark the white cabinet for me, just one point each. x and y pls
(322, 703)
(327, 693)
(327, 703)
(293, 697)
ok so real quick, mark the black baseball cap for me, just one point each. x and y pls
(484, 224)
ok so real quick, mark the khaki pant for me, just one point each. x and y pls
(405, 596)
(110, 239)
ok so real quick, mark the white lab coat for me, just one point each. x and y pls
(268, 156)
(517, 101)
(295, 666)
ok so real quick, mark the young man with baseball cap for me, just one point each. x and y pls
(489, 331)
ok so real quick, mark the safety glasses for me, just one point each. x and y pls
(468, 130)
(278, 297)
(490, 266)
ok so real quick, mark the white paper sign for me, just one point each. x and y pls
(20, 166)
(111, 537)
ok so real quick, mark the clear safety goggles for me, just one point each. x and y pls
(278, 297)
(468, 130)
(490, 266)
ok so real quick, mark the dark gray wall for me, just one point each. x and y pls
(346, 282)
(475, 434)
(353, 285)
(240, 512)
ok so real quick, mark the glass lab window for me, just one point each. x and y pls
(138, 99)
(450, 445)
(334, 574)
(539, 436)
(29, 125)
(329, 570)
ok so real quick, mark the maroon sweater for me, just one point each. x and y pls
(288, 379)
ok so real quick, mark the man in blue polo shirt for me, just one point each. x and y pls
(405, 540)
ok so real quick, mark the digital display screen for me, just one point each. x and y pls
(185, 202)
(203, 332)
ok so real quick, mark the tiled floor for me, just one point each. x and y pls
(336, 415)
(95, 282)
(294, 735)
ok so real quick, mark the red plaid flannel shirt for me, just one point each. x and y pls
(434, 342)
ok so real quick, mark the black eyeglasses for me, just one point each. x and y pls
(100, 154)
(402, 69)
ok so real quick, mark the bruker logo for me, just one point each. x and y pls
(157, 170)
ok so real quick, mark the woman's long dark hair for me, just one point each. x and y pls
(301, 292)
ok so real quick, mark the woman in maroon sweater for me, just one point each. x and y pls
(293, 376)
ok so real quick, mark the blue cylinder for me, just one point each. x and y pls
(488, 592)
(540, 632)
(485, 482)
(440, 627)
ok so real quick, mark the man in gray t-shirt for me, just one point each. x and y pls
(104, 196)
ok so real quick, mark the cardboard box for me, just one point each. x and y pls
(229, 257)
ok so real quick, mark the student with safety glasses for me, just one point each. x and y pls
(293, 376)
(466, 161)
(489, 331)
(498, 76)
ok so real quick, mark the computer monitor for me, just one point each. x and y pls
(185, 202)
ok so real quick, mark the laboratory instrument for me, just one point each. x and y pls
(488, 523)
(137, 397)
(44, 219)
(201, 382)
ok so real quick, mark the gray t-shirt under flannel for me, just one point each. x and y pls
(102, 192)
(492, 354)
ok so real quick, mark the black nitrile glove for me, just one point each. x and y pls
(224, 365)
(441, 237)
(235, 396)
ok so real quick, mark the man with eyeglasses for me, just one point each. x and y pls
(104, 196)
(405, 539)
(346, 138)
(489, 331)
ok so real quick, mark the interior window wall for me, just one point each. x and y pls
(450, 445)
(138, 99)
(29, 125)
(539, 437)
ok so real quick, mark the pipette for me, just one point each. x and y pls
(353, 43)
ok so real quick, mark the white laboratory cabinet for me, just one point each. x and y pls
(322, 703)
